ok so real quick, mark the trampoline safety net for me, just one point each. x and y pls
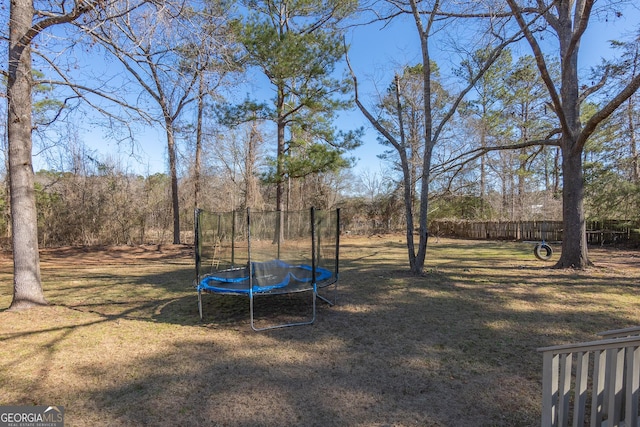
(264, 253)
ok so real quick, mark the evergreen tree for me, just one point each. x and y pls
(296, 44)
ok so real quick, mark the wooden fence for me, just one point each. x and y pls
(598, 232)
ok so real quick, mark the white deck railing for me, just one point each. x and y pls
(594, 383)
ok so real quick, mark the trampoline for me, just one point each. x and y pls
(265, 276)
(267, 253)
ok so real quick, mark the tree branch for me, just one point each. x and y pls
(591, 90)
(476, 153)
(605, 112)
(492, 57)
(540, 61)
(582, 12)
(78, 89)
(374, 122)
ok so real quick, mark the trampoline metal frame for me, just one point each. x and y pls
(313, 288)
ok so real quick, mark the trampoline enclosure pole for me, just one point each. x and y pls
(314, 290)
(250, 268)
(197, 242)
(337, 241)
(233, 239)
(280, 234)
(249, 251)
(319, 241)
(313, 246)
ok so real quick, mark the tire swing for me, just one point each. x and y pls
(542, 251)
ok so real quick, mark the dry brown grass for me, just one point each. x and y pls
(122, 343)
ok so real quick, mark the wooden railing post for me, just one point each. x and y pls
(564, 388)
(614, 393)
(615, 383)
(632, 391)
(597, 398)
(549, 389)
(582, 379)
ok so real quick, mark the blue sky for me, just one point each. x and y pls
(376, 53)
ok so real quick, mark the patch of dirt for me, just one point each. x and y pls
(615, 258)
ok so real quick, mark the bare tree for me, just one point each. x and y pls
(568, 20)
(235, 161)
(26, 24)
(429, 18)
(161, 48)
(253, 146)
(213, 54)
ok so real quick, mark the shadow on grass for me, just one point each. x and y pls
(406, 362)
(370, 277)
(456, 346)
(445, 349)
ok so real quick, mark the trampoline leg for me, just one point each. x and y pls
(253, 325)
(326, 300)
(200, 303)
(335, 296)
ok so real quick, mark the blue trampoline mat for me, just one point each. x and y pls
(268, 276)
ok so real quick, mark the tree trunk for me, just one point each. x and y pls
(483, 171)
(280, 172)
(633, 144)
(522, 187)
(198, 154)
(406, 174)
(556, 171)
(423, 237)
(421, 254)
(574, 239)
(250, 193)
(27, 284)
(173, 171)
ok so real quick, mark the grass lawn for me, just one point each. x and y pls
(122, 343)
